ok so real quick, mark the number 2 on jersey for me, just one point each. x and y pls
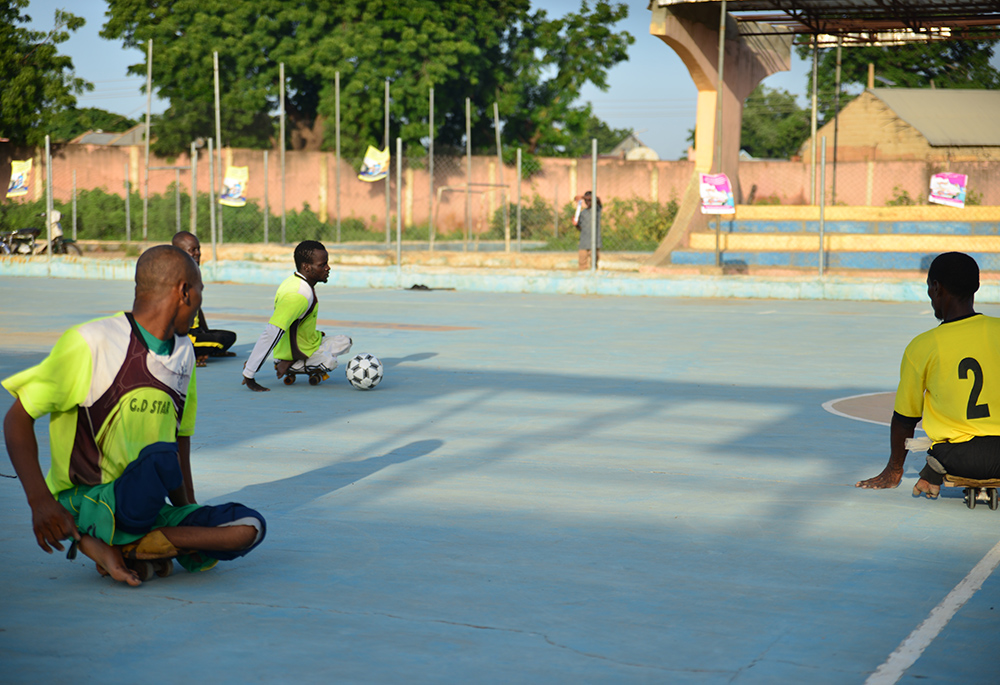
(974, 410)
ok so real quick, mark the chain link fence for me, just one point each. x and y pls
(866, 215)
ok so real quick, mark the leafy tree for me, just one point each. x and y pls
(774, 126)
(948, 64)
(532, 66)
(67, 124)
(37, 80)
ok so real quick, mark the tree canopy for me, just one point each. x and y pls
(67, 124)
(37, 80)
(774, 126)
(502, 51)
(945, 64)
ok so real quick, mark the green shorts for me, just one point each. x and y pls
(93, 509)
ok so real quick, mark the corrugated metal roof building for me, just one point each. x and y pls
(916, 123)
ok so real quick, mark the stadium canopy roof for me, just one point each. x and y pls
(869, 22)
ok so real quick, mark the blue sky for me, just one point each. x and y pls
(651, 93)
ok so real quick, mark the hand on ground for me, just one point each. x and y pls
(52, 523)
(925, 489)
(254, 385)
(889, 478)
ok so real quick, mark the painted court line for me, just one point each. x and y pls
(910, 649)
(913, 646)
(830, 408)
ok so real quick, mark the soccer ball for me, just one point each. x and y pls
(364, 371)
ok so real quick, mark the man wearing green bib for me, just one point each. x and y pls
(121, 397)
(291, 335)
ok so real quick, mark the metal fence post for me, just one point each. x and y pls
(74, 204)
(468, 173)
(822, 204)
(267, 206)
(430, 174)
(518, 199)
(399, 205)
(594, 204)
(128, 207)
(48, 198)
(194, 189)
(281, 89)
(388, 174)
(336, 169)
(211, 200)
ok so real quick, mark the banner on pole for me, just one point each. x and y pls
(948, 189)
(376, 165)
(716, 194)
(20, 178)
(234, 187)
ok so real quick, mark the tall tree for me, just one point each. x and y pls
(71, 122)
(37, 80)
(532, 66)
(774, 126)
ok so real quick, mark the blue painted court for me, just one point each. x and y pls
(544, 489)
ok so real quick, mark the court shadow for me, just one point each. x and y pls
(278, 497)
(390, 362)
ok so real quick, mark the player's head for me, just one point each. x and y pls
(588, 198)
(166, 278)
(956, 272)
(189, 243)
(312, 261)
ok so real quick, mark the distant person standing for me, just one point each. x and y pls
(583, 222)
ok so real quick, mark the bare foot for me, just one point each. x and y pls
(925, 489)
(109, 560)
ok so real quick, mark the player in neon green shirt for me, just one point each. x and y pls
(950, 377)
(291, 335)
(121, 395)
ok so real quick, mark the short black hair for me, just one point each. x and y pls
(957, 273)
(304, 252)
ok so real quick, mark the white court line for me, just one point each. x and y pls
(912, 647)
(829, 407)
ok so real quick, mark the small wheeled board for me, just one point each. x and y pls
(976, 490)
(316, 374)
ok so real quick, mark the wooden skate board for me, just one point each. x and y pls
(975, 490)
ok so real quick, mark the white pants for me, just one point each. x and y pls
(326, 356)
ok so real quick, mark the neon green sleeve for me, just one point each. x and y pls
(287, 310)
(186, 428)
(60, 382)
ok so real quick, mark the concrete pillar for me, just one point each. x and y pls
(693, 32)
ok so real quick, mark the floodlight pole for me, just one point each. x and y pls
(503, 194)
(468, 173)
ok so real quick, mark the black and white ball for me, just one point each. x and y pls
(364, 371)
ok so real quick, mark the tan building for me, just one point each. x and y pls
(933, 125)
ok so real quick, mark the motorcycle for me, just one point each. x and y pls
(24, 241)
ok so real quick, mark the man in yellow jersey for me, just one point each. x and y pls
(208, 342)
(290, 334)
(121, 397)
(950, 377)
